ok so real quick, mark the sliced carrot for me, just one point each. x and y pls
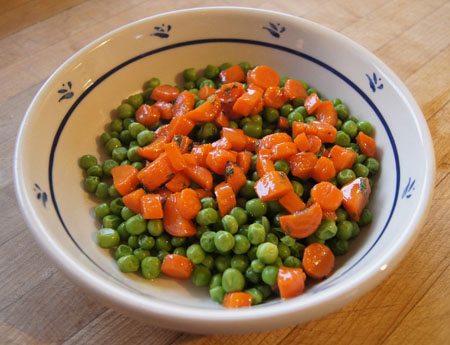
(200, 152)
(173, 222)
(271, 140)
(188, 203)
(180, 125)
(312, 102)
(325, 131)
(147, 115)
(152, 150)
(206, 112)
(165, 93)
(226, 199)
(330, 215)
(290, 281)
(274, 97)
(205, 92)
(283, 150)
(327, 195)
(302, 224)
(234, 176)
(326, 113)
(217, 160)
(264, 164)
(221, 120)
(302, 127)
(283, 122)
(302, 142)
(355, 196)
(178, 183)
(203, 193)
(232, 74)
(156, 173)
(229, 93)
(125, 178)
(151, 207)
(250, 143)
(314, 143)
(367, 144)
(294, 89)
(237, 300)
(164, 194)
(184, 142)
(165, 109)
(245, 103)
(133, 200)
(175, 157)
(190, 159)
(259, 106)
(199, 175)
(302, 164)
(292, 202)
(323, 170)
(325, 152)
(244, 160)
(184, 103)
(318, 261)
(222, 144)
(263, 76)
(162, 132)
(273, 185)
(236, 137)
(177, 266)
(342, 158)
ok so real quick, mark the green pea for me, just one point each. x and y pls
(222, 262)
(178, 241)
(116, 125)
(339, 247)
(122, 250)
(150, 267)
(314, 239)
(246, 66)
(95, 170)
(336, 101)
(207, 241)
(136, 100)
(224, 241)
(365, 217)
(239, 215)
(135, 128)
(266, 131)
(288, 241)
(136, 225)
(344, 230)
(225, 66)
(102, 210)
(190, 74)
(267, 252)
(114, 134)
(119, 154)
(257, 265)
(128, 263)
(123, 233)
(360, 170)
(108, 238)
(207, 130)
(326, 230)
(341, 214)
(133, 154)
(345, 176)
(201, 229)
(207, 216)
(155, 227)
(111, 221)
(365, 127)
(127, 122)
(208, 261)
(310, 119)
(283, 251)
(195, 253)
(252, 252)
(271, 115)
(342, 111)
(163, 243)
(232, 280)
(102, 190)
(338, 124)
(342, 139)
(252, 276)
(298, 102)
(274, 207)
(211, 71)
(239, 262)
(354, 147)
(286, 109)
(216, 280)
(232, 124)
(217, 294)
(255, 176)
(282, 165)
(292, 261)
(112, 144)
(373, 165)
(350, 128)
(141, 254)
(269, 275)
(116, 206)
(276, 219)
(207, 82)
(125, 137)
(252, 129)
(294, 117)
(180, 251)
(209, 202)
(133, 241)
(108, 165)
(355, 230)
(146, 242)
(138, 165)
(256, 207)
(113, 192)
(152, 83)
(86, 161)
(230, 224)
(201, 276)
(264, 222)
(162, 254)
(145, 137)
(126, 213)
(125, 110)
(241, 244)
(257, 296)
(361, 158)
(256, 233)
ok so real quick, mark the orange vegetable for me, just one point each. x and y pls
(302, 164)
(184, 142)
(294, 89)
(175, 157)
(221, 120)
(203, 193)
(133, 200)
(312, 102)
(152, 150)
(229, 93)
(125, 178)
(147, 115)
(217, 160)
(165, 109)
(226, 199)
(245, 103)
(302, 224)
(162, 132)
(164, 194)
(318, 261)
(301, 127)
(271, 140)
(330, 215)
(184, 103)
(259, 106)
(234, 176)
(244, 160)
(173, 222)
(327, 195)
(232, 74)
(290, 281)
(199, 175)
(190, 159)
(283, 150)
(201, 152)
(206, 112)
(177, 266)
(367, 144)
(250, 143)
(314, 143)
(323, 169)
(156, 173)
(222, 143)
(165, 93)
(326, 113)
(205, 92)
(188, 203)
(355, 195)
(263, 76)
(178, 183)
(180, 125)
(237, 300)
(326, 132)
(151, 207)
(302, 142)
(342, 158)
(283, 122)
(236, 137)
(274, 97)
(273, 185)
(264, 164)
(292, 202)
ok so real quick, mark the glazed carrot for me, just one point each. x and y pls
(151, 207)
(232, 74)
(301, 127)
(177, 266)
(180, 125)
(173, 222)
(250, 143)
(330, 215)
(327, 195)
(244, 160)
(367, 144)
(222, 144)
(325, 152)
(290, 281)
(234, 176)
(323, 169)
(217, 159)
(165, 93)
(162, 132)
(237, 300)
(164, 194)
(236, 137)
(355, 196)
(152, 150)
(302, 164)
(226, 199)
(184, 142)
(205, 92)
(203, 193)
(263, 76)
(312, 102)
(199, 175)
(342, 158)
(302, 224)
(302, 142)
(326, 113)
(318, 261)
(165, 109)
(325, 131)
(147, 115)
(292, 202)
(273, 185)
(283, 150)
(200, 152)
(133, 200)
(221, 120)
(188, 203)
(190, 159)
(245, 103)
(175, 157)
(178, 183)
(264, 164)
(274, 97)
(206, 112)
(294, 89)
(314, 143)
(229, 93)
(125, 178)
(259, 106)
(283, 122)
(272, 139)
(184, 103)
(156, 173)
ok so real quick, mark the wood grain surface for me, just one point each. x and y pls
(38, 305)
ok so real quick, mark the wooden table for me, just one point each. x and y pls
(38, 305)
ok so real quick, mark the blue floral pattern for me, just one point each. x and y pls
(66, 91)
(161, 31)
(40, 195)
(275, 29)
(374, 82)
(409, 188)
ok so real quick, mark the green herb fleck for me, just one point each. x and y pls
(229, 170)
(230, 100)
(170, 175)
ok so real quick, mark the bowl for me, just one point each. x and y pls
(74, 106)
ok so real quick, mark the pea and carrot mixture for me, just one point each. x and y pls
(244, 182)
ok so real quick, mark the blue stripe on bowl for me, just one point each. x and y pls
(319, 287)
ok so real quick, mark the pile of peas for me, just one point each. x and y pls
(243, 250)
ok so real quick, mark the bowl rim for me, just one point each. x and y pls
(114, 296)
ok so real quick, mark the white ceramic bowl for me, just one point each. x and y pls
(74, 106)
